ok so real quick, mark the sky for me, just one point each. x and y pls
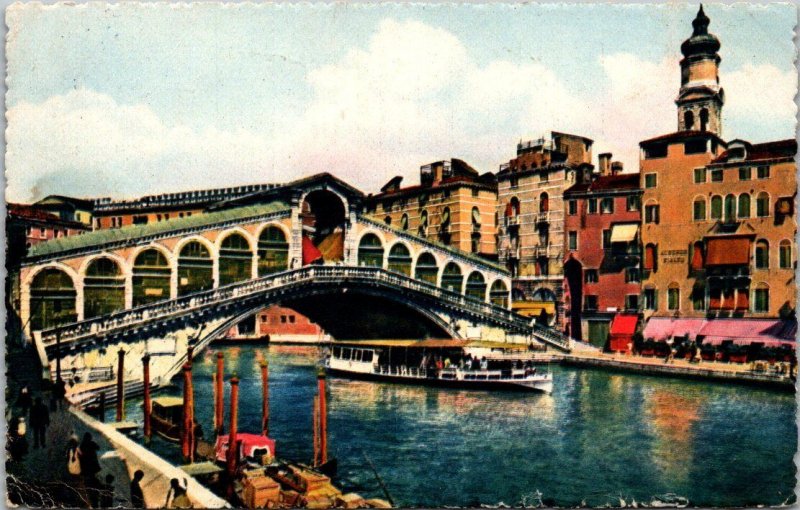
(132, 99)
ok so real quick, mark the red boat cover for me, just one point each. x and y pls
(310, 252)
(250, 443)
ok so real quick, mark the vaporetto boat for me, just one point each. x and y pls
(376, 364)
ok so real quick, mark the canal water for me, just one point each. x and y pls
(600, 437)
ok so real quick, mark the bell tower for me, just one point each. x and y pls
(700, 98)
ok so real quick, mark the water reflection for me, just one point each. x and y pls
(672, 416)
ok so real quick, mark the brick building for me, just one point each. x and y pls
(28, 225)
(530, 191)
(279, 325)
(718, 220)
(601, 266)
(453, 205)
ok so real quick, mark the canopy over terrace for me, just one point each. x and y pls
(769, 332)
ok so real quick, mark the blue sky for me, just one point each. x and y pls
(131, 99)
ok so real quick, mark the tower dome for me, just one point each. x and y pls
(701, 42)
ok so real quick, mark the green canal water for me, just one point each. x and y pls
(599, 437)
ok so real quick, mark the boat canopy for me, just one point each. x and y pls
(253, 445)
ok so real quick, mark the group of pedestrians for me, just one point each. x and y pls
(38, 420)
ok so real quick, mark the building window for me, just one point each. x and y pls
(716, 207)
(475, 192)
(404, 222)
(158, 218)
(717, 175)
(744, 205)
(632, 302)
(650, 180)
(513, 181)
(699, 209)
(745, 173)
(422, 200)
(388, 220)
(650, 257)
(695, 147)
(572, 240)
(761, 299)
(762, 254)
(697, 256)
(699, 175)
(656, 151)
(544, 202)
(592, 206)
(572, 207)
(673, 297)
(446, 193)
(545, 176)
(650, 298)
(699, 298)
(423, 224)
(607, 205)
(763, 172)
(762, 205)
(283, 319)
(606, 239)
(591, 276)
(632, 275)
(291, 319)
(785, 254)
(651, 214)
(263, 318)
(730, 208)
(590, 303)
(633, 203)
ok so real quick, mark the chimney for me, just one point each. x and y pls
(616, 168)
(604, 163)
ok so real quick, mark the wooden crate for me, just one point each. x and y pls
(261, 492)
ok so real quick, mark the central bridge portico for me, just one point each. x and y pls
(155, 288)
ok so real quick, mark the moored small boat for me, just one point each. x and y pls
(166, 418)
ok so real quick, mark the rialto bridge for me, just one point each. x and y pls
(159, 288)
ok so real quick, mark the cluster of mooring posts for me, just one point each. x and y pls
(242, 466)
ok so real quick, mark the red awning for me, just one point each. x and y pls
(662, 328)
(310, 252)
(727, 251)
(624, 324)
(770, 332)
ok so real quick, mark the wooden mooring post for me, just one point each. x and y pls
(187, 429)
(120, 385)
(146, 404)
(265, 398)
(219, 396)
(233, 447)
(323, 417)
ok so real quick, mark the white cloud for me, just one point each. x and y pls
(412, 95)
(759, 102)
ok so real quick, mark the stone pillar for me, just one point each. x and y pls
(128, 290)
(296, 241)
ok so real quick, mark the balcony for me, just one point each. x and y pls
(542, 217)
(733, 272)
(512, 221)
(510, 253)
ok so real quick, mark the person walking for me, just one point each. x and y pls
(176, 496)
(24, 399)
(57, 394)
(137, 496)
(39, 419)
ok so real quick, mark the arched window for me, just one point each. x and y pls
(476, 218)
(195, 268)
(730, 208)
(673, 297)
(370, 251)
(703, 119)
(452, 278)
(785, 254)
(476, 286)
(273, 251)
(716, 207)
(52, 299)
(688, 120)
(475, 242)
(761, 298)
(699, 209)
(388, 220)
(426, 269)
(699, 296)
(650, 257)
(698, 256)
(744, 205)
(400, 259)
(762, 205)
(513, 208)
(404, 221)
(103, 288)
(498, 294)
(235, 260)
(151, 276)
(423, 223)
(762, 254)
(544, 202)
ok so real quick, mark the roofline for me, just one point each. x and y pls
(421, 189)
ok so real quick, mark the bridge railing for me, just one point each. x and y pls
(320, 274)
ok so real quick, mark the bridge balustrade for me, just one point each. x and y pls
(183, 304)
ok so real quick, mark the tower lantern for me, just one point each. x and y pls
(700, 98)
